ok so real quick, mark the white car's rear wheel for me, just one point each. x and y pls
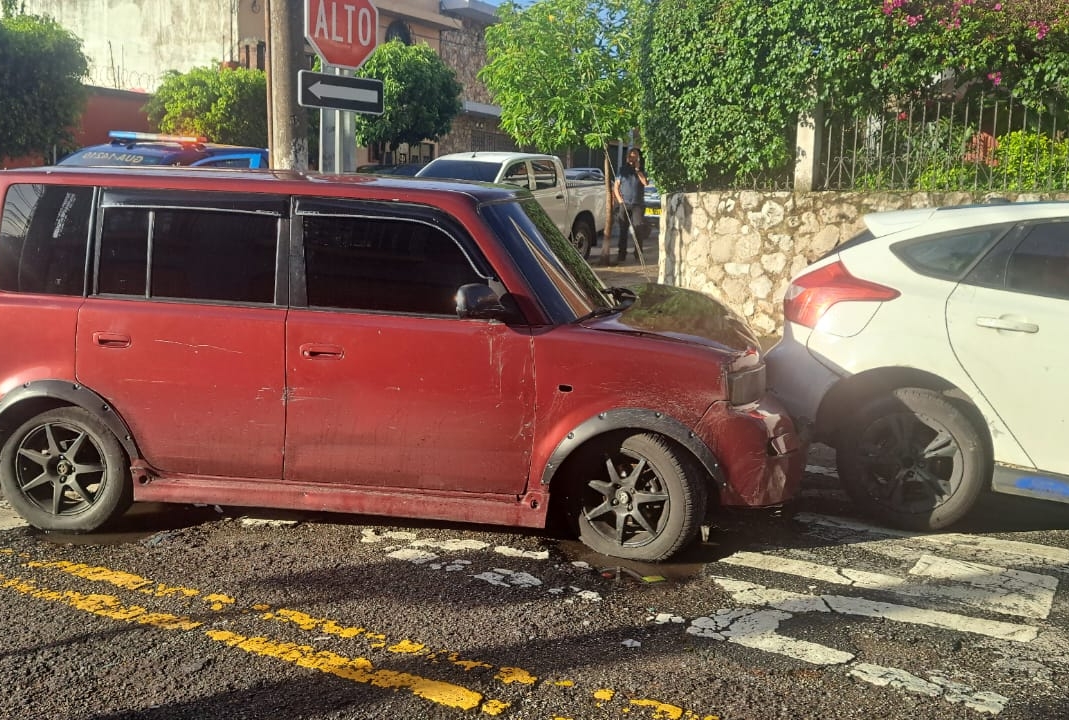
(913, 459)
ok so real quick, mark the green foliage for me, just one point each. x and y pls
(730, 78)
(223, 105)
(947, 155)
(1021, 45)
(41, 91)
(1027, 160)
(421, 96)
(726, 81)
(565, 71)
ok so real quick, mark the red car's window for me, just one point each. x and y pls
(196, 254)
(383, 264)
(44, 234)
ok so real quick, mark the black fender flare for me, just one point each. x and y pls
(72, 394)
(633, 419)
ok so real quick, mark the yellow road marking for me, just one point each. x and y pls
(661, 711)
(509, 675)
(107, 606)
(358, 669)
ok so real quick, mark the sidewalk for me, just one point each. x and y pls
(630, 272)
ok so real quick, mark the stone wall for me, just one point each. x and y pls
(743, 247)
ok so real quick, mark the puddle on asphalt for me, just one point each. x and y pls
(733, 531)
(683, 567)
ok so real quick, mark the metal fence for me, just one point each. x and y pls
(944, 145)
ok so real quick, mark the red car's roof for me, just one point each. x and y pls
(377, 187)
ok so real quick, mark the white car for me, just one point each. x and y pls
(932, 352)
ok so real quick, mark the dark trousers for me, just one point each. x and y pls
(629, 215)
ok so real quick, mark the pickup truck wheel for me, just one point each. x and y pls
(64, 471)
(637, 497)
(583, 236)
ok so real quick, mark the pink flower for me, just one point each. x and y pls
(995, 77)
(913, 20)
(998, 6)
(902, 115)
(1041, 29)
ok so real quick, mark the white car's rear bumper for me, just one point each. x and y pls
(795, 377)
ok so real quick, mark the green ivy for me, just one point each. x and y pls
(725, 81)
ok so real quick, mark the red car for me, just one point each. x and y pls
(361, 344)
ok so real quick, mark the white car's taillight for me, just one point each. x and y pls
(812, 294)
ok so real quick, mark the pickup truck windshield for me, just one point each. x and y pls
(461, 170)
(565, 284)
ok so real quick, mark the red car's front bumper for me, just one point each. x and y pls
(762, 454)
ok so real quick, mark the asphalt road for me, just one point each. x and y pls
(188, 612)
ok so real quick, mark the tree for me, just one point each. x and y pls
(41, 93)
(565, 74)
(421, 96)
(1020, 47)
(224, 105)
(730, 78)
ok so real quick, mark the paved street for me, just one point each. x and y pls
(247, 614)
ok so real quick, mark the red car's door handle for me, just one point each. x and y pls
(315, 350)
(1007, 324)
(111, 340)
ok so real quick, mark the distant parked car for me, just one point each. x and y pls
(402, 169)
(138, 148)
(930, 351)
(584, 173)
(577, 208)
(652, 200)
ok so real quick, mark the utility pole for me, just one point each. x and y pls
(286, 120)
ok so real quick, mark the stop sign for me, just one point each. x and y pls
(343, 33)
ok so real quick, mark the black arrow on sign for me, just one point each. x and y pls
(338, 92)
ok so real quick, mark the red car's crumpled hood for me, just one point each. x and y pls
(681, 314)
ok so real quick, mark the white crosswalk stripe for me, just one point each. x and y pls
(930, 575)
(1006, 591)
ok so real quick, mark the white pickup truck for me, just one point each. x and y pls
(576, 206)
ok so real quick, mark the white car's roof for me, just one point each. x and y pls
(937, 219)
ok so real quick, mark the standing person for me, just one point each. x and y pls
(629, 192)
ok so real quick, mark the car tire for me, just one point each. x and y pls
(913, 459)
(63, 470)
(583, 236)
(638, 497)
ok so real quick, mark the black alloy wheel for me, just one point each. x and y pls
(63, 470)
(913, 459)
(640, 498)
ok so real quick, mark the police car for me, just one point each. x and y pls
(139, 148)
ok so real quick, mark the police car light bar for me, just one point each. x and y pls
(129, 135)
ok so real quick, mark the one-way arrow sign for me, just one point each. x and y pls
(339, 92)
